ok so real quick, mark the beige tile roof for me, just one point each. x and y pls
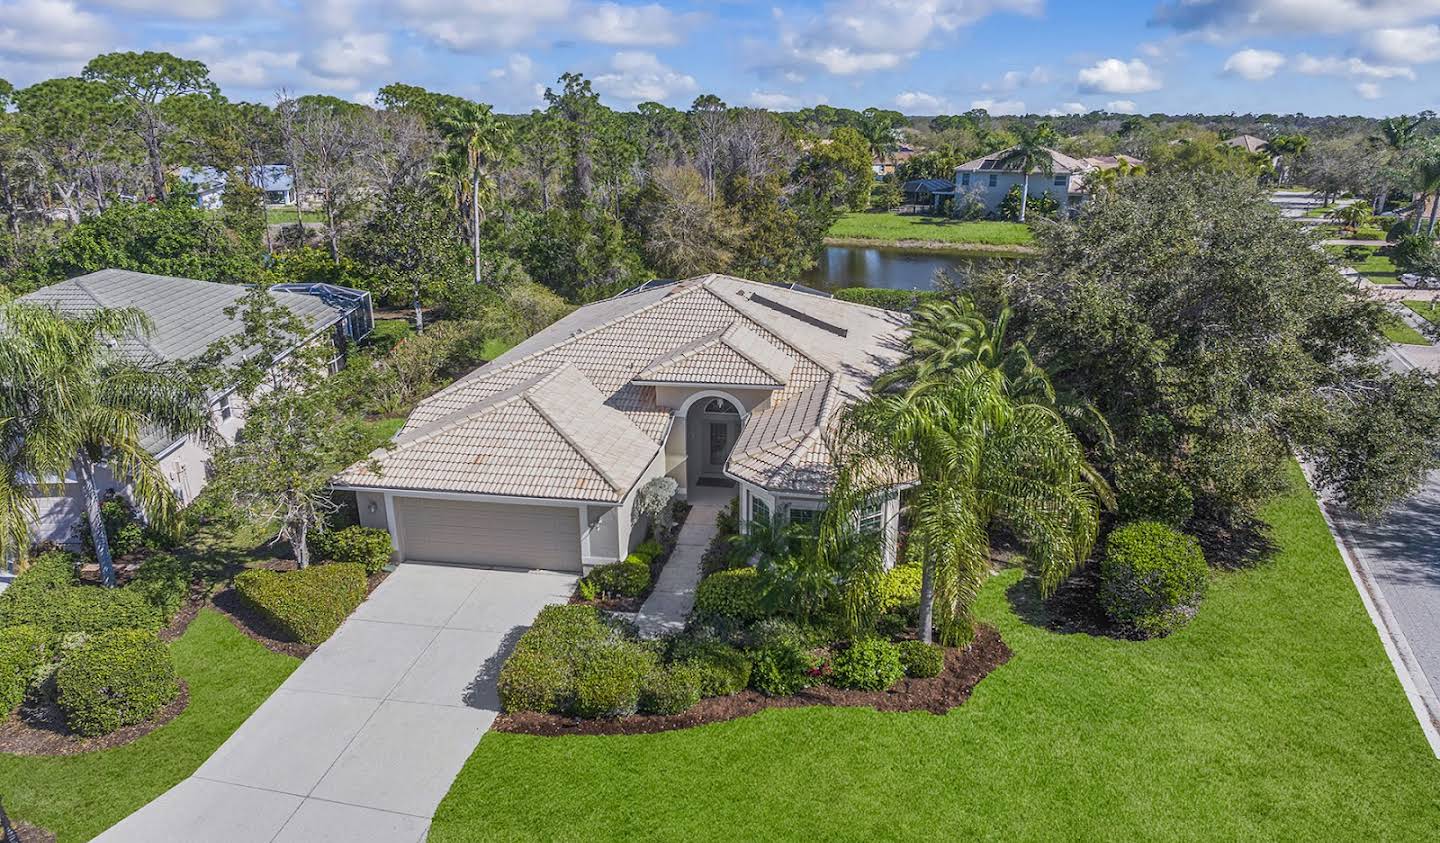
(1059, 161)
(735, 356)
(816, 353)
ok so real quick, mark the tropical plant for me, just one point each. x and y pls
(1286, 148)
(1353, 215)
(977, 459)
(475, 141)
(70, 402)
(1031, 154)
(1427, 183)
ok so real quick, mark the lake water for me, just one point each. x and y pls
(895, 269)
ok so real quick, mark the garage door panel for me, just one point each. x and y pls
(474, 533)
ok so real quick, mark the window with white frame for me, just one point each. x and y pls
(872, 516)
(804, 515)
(759, 510)
(964, 179)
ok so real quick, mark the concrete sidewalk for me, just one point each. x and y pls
(364, 739)
(669, 604)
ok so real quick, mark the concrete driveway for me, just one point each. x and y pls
(363, 740)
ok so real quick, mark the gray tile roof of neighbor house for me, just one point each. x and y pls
(816, 354)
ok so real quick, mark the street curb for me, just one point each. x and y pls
(1418, 690)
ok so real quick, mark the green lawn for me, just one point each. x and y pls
(79, 796)
(1398, 330)
(894, 227)
(1379, 269)
(285, 215)
(1427, 310)
(1274, 716)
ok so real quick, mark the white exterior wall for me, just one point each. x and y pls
(979, 186)
(780, 506)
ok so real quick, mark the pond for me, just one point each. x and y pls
(895, 269)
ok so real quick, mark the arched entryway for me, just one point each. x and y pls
(713, 425)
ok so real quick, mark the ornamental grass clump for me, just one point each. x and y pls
(1152, 578)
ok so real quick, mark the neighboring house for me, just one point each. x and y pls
(904, 152)
(209, 184)
(988, 180)
(187, 316)
(535, 460)
(924, 191)
(1252, 145)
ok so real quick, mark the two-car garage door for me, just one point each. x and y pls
(504, 535)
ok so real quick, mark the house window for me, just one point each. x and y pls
(994, 180)
(225, 411)
(759, 511)
(1062, 180)
(964, 179)
(872, 517)
(720, 406)
(808, 517)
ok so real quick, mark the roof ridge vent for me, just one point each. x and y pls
(776, 306)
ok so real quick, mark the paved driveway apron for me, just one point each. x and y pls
(363, 740)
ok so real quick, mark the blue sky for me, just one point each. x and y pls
(1372, 57)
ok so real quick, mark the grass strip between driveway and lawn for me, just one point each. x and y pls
(894, 228)
(79, 796)
(1398, 330)
(1425, 309)
(1274, 715)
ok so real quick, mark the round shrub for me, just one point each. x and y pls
(868, 664)
(730, 595)
(117, 678)
(306, 605)
(721, 669)
(671, 690)
(627, 578)
(782, 668)
(608, 679)
(921, 660)
(901, 587)
(364, 546)
(23, 649)
(646, 551)
(1152, 578)
(533, 680)
(540, 674)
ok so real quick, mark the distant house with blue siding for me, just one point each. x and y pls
(209, 184)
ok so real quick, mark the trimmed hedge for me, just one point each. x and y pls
(365, 546)
(571, 662)
(22, 650)
(868, 664)
(671, 690)
(77, 608)
(720, 669)
(1152, 578)
(921, 660)
(163, 582)
(306, 605)
(628, 578)
(608, 679)
(730, 595)
(117, 678)
(646, 551)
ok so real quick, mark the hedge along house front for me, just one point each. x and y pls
(535, 460)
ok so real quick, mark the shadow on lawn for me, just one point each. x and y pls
(1074, 608)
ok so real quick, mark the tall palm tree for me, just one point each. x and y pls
(1353, 215)
(977, 460)
(1427, 181)
(878, 129)
(1285, 148)
(476, 140)
(1396, 135)
(1031, 154)
(69, 402)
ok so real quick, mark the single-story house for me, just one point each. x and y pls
(882, 168)
(988, 180)
(535, 460)
(187, 316)
(209, 183)
(923, 191)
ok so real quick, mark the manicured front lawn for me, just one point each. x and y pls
(1379, 269)
(894, 227)
(80, 796)
(1398, 330)
(1274, 715)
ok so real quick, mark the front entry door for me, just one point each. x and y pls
(720, 438)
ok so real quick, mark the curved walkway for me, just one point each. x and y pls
(364, 739)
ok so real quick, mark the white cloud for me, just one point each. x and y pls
(364, 97)
(1120, 106)
(513, 84)
(1015, 79)
(1352, 67)
(352, 55)
(1254, 64)
(472, 25)
(1368, 90)
(1114, 76)
(774, 100)
(1414, 44)
(233, 66)
(919, 101)
(1000, 106)
(1221, 19)
(856, 36)
(611, 23)
(1068, 108)
(47, 30)
(197, 9)
(636, 76)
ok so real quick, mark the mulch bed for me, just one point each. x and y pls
(963, 671)
(257, 628)
(33, 833)
(38, 728)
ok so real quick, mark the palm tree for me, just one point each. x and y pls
(878, 129)
(475, 141)
(1285, 147)
(1427, 181)
(977, 460)
(1353, 215)
(1030, 155)
(70, 402)
(1396, 135)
